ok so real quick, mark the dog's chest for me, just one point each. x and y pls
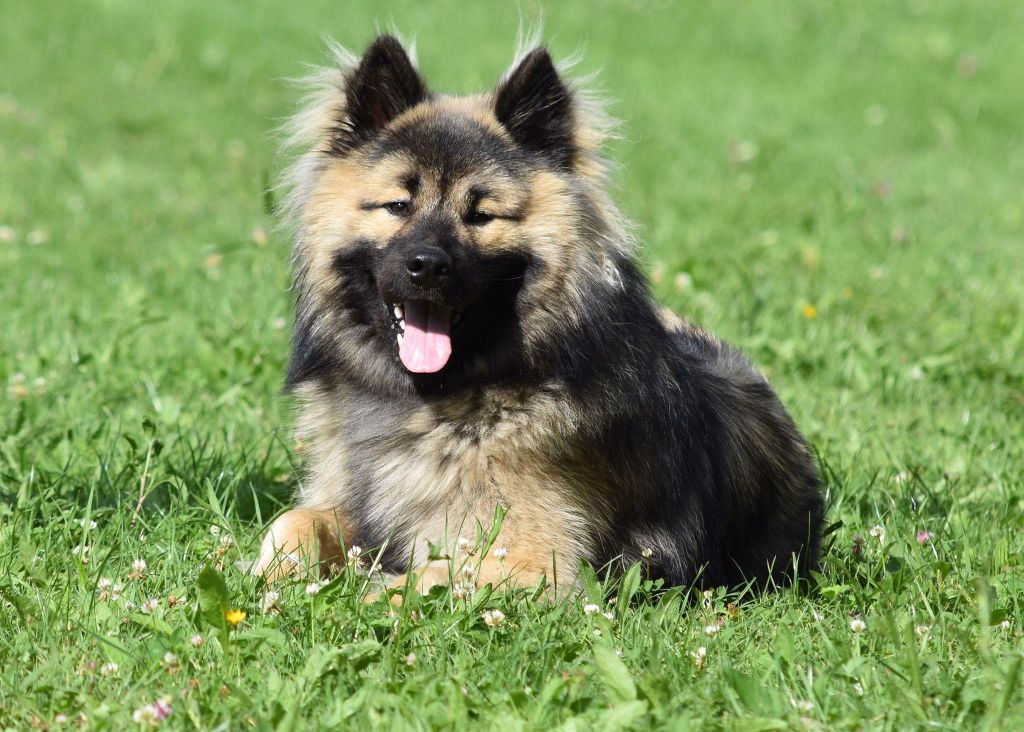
(463, 455)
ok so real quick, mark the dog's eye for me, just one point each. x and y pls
(479, 218)
(398, 208)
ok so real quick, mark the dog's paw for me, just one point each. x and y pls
(433, 574)
(300, 540)
(465, 579)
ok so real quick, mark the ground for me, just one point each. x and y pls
(834, 187)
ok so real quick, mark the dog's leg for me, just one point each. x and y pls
(303, 538)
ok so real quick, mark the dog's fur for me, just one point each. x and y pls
(603, 425)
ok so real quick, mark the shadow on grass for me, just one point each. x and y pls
(196, 474)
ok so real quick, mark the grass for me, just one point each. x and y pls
(840, 184)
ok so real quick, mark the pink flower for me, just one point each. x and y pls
(163, 708)
(923, 537)
(150, 715)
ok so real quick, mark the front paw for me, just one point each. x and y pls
(464, 578)
(299, 540)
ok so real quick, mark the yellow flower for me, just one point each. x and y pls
(810, 311)
(234, 616)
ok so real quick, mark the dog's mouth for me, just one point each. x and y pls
(423, 332)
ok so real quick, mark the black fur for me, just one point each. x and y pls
(706, 467)
(384, 85)
(535, 106)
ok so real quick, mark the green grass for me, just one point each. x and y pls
(861, 158)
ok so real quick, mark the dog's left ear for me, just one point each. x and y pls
(535, 106)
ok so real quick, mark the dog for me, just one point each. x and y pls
(473, 333)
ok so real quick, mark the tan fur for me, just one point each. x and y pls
(594, 427)
(446, 469)
(446, 474)
(303, 538)
(526, 566)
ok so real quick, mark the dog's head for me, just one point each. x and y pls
(445, 240)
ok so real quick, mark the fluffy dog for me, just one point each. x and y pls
(472, 332)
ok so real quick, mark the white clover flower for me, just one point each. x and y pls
(139, 568)
(1005, 625)
(609, 616)
(857, 625)
(803, 705)
(149, 606)
(878, 532)
(354, 556)
(85, 523)
(410, 659)
(313, 589)
(647, 553)
(858, 688)
(268, 603)
(699, 657)
(170, 659)
(109, 669)
(129, 605)
(197, 640)
(493, 618)
(463, 590)
(463, 544)
(591, 609)
(921, 630)
(80, 550)
(711, 629)
(115, 591)
(105, 583)
(500, 553)
(145, 715)
(227, 540)
(469, 571)
(214, 529)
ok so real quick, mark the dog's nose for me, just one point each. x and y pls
(428, 267)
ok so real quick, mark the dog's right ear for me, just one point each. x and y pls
(381, 87)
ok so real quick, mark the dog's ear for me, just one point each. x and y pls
(535, 106)
(381, 87)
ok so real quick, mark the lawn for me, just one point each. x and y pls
(836, 187)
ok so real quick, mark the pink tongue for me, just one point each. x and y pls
(426, 344)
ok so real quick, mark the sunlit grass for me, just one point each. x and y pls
(837, 190)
